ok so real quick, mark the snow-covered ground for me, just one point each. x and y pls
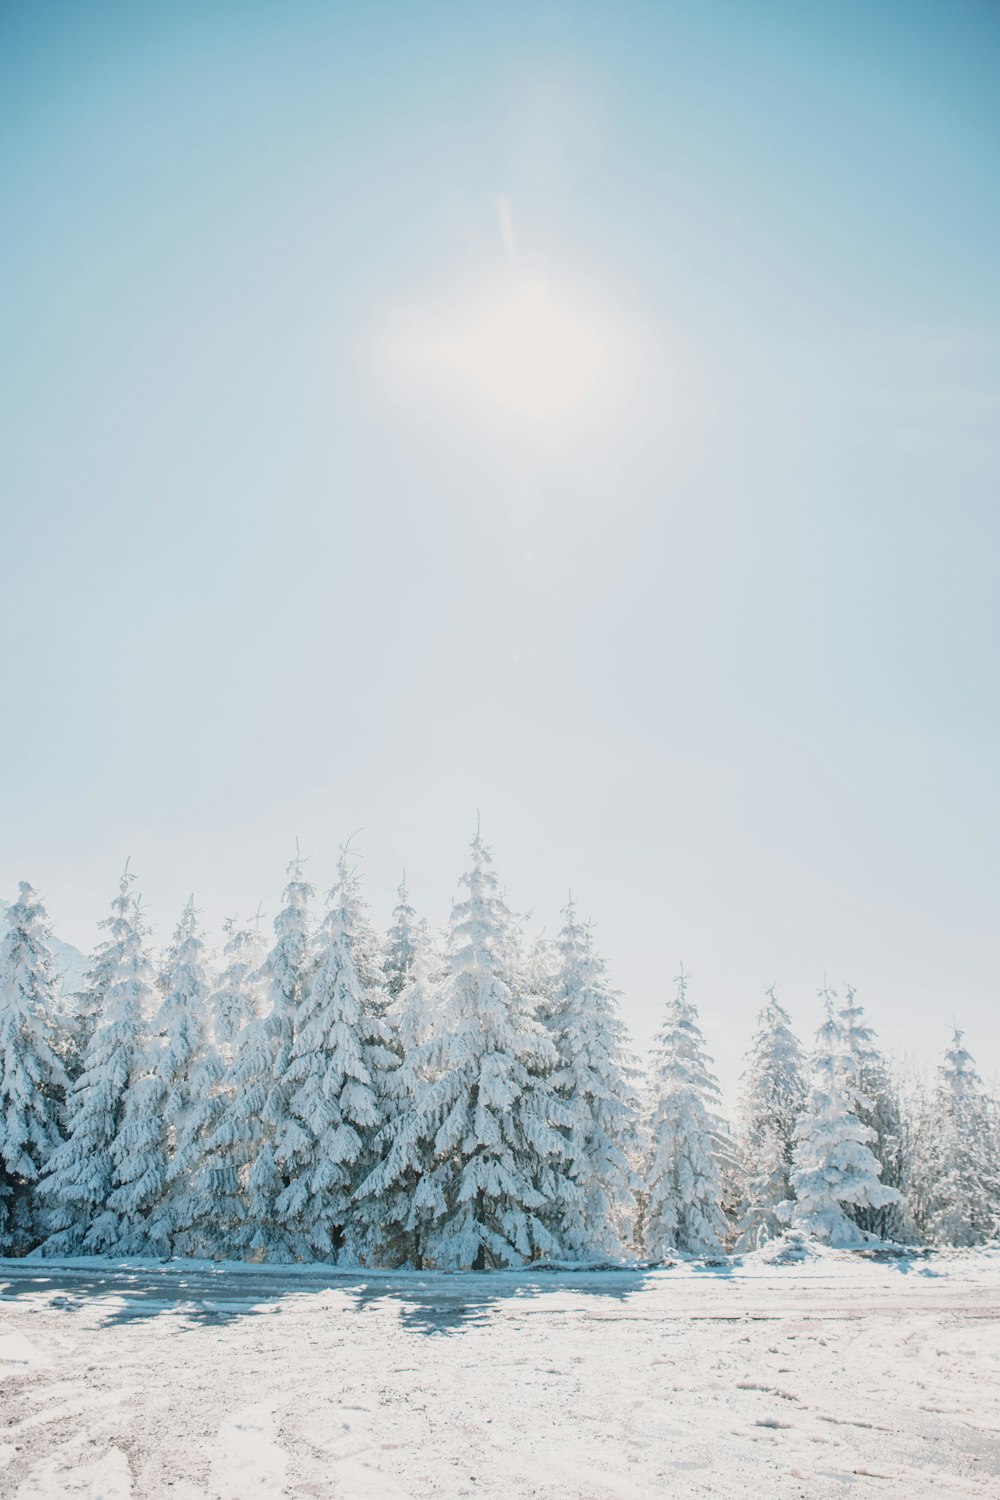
(805, 1379)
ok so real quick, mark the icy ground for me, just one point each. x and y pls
(809, 1379)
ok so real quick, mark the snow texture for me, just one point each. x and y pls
(797, 1371)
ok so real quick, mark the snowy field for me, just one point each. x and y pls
(810, 1379)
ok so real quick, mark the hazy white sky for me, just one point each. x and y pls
(585, 413)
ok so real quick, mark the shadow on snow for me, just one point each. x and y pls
(201, 1292)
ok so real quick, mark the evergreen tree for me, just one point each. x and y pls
(595, 1210)
(256, 1113)
(491, 1110)
(83, 1171)
(774, 1092)
(401, 944)
(236, 999)
(156, 1148)
(338, 1060)
(964, 1190)
(216, 1171)
(833, 1168)
(396, 1201)
(684, 1185)
(32, 1078)
(875, 1101)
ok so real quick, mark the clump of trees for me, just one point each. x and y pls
(464, 1102)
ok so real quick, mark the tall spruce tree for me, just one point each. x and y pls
(684, 1186)
(397, 1201)
(833, 1167)
(82, 1172)
(32, 1079)
(256, 1111)
(963, 1197)
(595, 1208)
(875, 1100)
(157, 1146)
(774, 1094)
(337, 1064)
(490, 1110)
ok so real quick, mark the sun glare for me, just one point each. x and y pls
(525, 352)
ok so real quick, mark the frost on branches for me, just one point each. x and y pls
(32, 1080)
(963, 1206)
(833, 1168)
(84, 1170)
(774, 1092)
(490, 1111)
(593, 1082)
(256, 1111)
(683, 1175)
(338, 1060)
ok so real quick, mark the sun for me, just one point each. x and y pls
(524, 351)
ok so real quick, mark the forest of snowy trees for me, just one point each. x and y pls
(456, 1100)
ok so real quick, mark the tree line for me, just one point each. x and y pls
(465, 1100)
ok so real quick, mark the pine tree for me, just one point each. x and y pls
(256, 1112)
(157, 1146)
(216, 1172)
(82, 1171)
(401, 944)
(964, 1190)
(595, 1212)
(491, 1110)
(32, 1079)
(875, 1101)
(338, 1060)
(833, 1168)
(774, 1092)
(684, 1185)
(396, 1201)
(236, 1000)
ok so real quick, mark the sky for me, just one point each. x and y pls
(582, 416)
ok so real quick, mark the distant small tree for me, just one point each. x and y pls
(833, 1167)
(963, 1197)
(401, 944)
(32, 1079)
(774, 1093)
(684, 1186)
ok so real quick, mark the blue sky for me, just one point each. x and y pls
(310, 524)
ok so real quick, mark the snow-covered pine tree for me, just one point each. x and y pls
(157, 1146)
(401, 943)
(774, 1093)
(491, 1110)
(81, 1173)
(256, 1112)
(964, 1189)
(833, 1167)
(216, 1172)
(32, 1079)
(875, 1100)
(236, 999)
(684, 1186)
(594, 1215)
(338, 1061)
(395, 1202)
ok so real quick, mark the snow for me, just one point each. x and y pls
(796, 1371)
